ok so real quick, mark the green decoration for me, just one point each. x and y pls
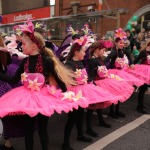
(130, 22)
(135, 18)
(129, 27)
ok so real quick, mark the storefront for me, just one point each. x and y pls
(9, 20)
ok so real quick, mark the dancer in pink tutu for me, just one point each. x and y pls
(90, 91)
(31, 99)
(143, 71)
(98, 74)
(117, 62)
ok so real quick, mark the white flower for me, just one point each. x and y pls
(72, 97)
(78, 72)
(68, 95)
(24, 77)
(34, 85)
(78, 96)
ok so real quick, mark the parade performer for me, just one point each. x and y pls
(90, 91)
(98, 74)
(32, 99)
(117, 62)
(142, 71)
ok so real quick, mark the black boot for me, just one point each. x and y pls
(141, 110)
(118, 113)
(89, 130)
(91, 133)
(66, 147)
(112, 114)
(104, 124)
(84, 139)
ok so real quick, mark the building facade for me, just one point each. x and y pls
(76, 13)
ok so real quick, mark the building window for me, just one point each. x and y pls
(52, 2)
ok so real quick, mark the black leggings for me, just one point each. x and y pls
(115, 109)
(142, 90)
(42, 130)
(89, 117)
(76, 116)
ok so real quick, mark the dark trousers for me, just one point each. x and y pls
(74, 117)
(89, 117)
(42, 130)
(114, 109)
(142, 90)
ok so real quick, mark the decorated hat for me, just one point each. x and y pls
(120, 34)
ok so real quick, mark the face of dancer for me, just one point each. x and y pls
(29, 48)
(101, 52)
(80, 54)
(120, 44)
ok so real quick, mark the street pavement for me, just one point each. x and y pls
(136, 139)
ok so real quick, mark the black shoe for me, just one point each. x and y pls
(113, 115)
(92, 133)
(141, 110)
(66, 147)
(104, 124)
(120, 114)
(3, 147)
(84, 139)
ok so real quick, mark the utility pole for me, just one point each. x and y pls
(118, 19)
(106, 4)
(1, 7)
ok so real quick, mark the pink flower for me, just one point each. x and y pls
(80, 41)
(120, 34)
(28, 27)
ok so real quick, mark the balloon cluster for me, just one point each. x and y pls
(132, 24)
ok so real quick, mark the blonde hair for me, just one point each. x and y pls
(66, 75)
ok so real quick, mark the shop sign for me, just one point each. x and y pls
(24, 15)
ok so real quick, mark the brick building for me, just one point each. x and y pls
(76, 12)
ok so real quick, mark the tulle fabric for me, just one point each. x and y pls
(129, 78)
(96, 95)
(141, 71)
(119, 88)
(21, 101)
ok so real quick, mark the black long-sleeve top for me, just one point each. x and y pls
(117, 53)
(93, 64)
(142, 56)
(75, 65)
(48, 69)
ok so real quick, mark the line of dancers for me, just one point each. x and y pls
(40, 81)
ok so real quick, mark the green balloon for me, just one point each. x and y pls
(129, 27)
(135, 18)
(130, 22)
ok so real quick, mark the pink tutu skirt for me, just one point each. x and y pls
(21, 100)
(96, 95)
(118, 88)
(128, 77)
(141, 71)
(100, 105)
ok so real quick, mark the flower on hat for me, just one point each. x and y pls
(120, 34)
